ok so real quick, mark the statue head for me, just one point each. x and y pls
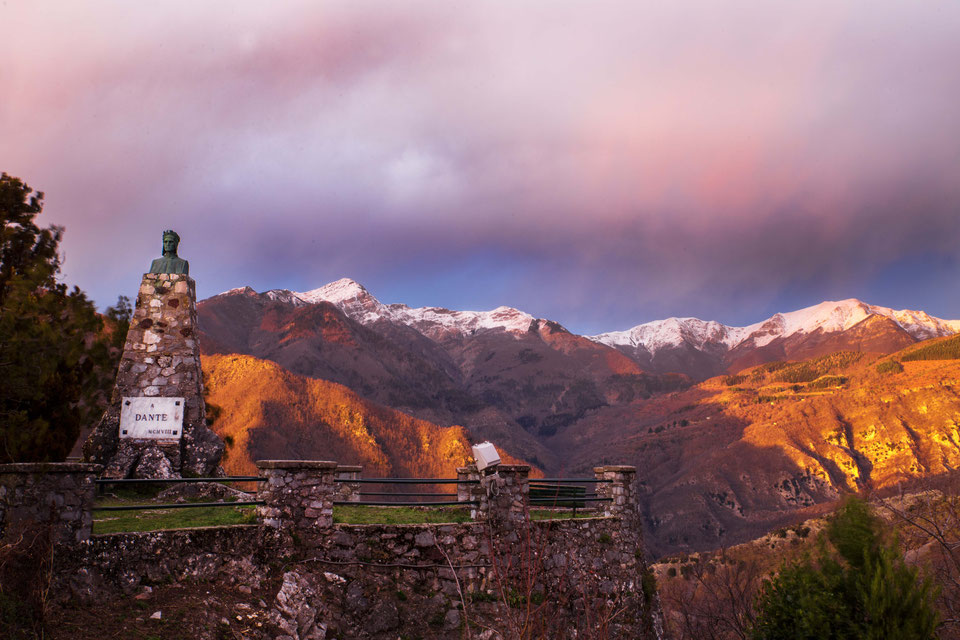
(171, 240)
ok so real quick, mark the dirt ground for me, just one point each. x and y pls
(187, 612)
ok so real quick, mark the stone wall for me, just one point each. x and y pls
(578, 577)
(505, 496)
(319, 580)
(56, 494)
(161, 358)
(347, 489)
(389, 581)
(298, 495)
(465, 492)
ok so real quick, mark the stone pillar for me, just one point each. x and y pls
(622, 489)
(466, 492)
(298, 495)
(347, 490)
(505, 496)
(161, 358)
(58, 494)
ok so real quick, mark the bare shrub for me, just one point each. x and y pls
(26, 575)
(714, 598)
(929, 526)
(546, 590)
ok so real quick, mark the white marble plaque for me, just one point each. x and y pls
(151, 418)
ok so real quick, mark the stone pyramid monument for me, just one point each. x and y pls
(155, 426)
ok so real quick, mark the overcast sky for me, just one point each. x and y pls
(601, 163)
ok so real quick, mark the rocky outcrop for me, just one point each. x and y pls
(295, 612)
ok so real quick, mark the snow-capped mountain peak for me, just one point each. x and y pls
(828, 317)
(340, 291)
(669, 332)
(358, 303)
(437, 322)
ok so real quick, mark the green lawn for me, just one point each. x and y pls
(155, 520)
(547, 514)
(351, 514)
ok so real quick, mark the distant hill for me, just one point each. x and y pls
(795, 413)
(737, 455)
(702, 349)
(506, 376)
(266, 412)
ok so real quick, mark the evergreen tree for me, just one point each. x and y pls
(858, 587)
(54, 361)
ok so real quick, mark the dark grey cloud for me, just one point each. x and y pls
(600, 164)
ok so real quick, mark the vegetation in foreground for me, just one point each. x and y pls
(155, 520)
(350, 514)
(57, 357)
(850, 581)
(180, 518)
(858, 587)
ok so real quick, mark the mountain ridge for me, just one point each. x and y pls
(752, 446)
(830, 315)
(687, 345)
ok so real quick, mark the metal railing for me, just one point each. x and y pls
(547, 492)
(103, 482)
(405, 494)
(568, 493)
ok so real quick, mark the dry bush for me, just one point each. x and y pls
(714, 598)
(26, 575)
(929, 527)
(534, 603)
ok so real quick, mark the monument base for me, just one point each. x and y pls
(161, 359)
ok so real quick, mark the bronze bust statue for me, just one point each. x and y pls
(170, 262)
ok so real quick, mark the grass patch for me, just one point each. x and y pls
(156, 520)
(129, 521)
(948, 349)
(889, 367)
(828, 382)
(807, 371)
(549, 514)
(351, 514)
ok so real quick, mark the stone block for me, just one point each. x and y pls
(150, 354)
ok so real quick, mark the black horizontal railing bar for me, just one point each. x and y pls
(568, 499)
(408, 481)
(569, 480)
(171, 480)
(178, 505)
(387, 493)
(404, 504)
(560, 491)
(557, 485)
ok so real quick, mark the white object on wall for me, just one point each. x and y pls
(486, 455)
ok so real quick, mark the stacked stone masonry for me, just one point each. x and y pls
(161, 358)
(164, 328)
(505, 495)
(298, 494)
(59, 495)
(467, 492)
(310, 578)
(348, 490)
(620, 487)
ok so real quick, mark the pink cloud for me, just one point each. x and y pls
(719, 149)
